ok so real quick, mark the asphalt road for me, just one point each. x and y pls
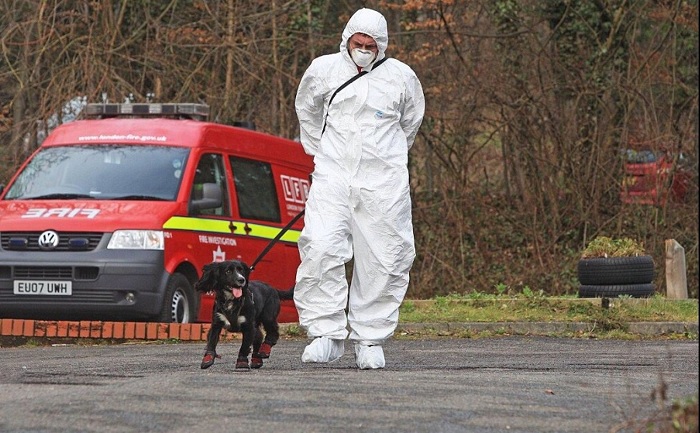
(502, 384)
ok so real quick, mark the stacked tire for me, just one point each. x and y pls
(610, 277)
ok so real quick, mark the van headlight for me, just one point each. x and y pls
(136, 240)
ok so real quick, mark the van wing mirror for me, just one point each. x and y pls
(211, 197)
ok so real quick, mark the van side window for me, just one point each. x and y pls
(211, 170)
(255, 189)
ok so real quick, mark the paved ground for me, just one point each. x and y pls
(513, 384)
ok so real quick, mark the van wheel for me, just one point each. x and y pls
(178, 304)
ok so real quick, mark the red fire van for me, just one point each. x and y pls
(114, 216)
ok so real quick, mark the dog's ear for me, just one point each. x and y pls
(209, 278)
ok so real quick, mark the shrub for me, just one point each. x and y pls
(603, 246)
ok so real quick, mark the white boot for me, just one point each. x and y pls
(369, 357)
(323, 349)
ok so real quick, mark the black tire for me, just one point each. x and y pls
(616, 271)
(179, 301)
(634, 290)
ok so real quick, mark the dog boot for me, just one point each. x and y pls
(242, 363)
(323, 349)
(256, 362)
(264, 351)
(369, 357)
(209, 358)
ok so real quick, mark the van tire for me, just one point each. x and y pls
(179, 301)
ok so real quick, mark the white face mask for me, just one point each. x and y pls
(362, 58)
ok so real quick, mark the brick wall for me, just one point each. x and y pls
(109, 330)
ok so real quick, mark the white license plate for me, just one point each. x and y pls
(59, 288)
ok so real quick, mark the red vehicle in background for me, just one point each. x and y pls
(115, 215)
(653, 178)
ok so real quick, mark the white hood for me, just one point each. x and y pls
(369, 22)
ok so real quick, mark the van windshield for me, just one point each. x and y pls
(102, 172)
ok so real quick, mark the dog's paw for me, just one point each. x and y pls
(264, 351)
(209, 358)
(256, 362)
(242, 364)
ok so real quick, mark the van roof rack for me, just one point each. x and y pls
(176, 110)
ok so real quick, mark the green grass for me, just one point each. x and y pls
(538, 308)
(601, 318)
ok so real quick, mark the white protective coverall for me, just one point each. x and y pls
(359, 202)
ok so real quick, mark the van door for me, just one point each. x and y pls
(257, 206)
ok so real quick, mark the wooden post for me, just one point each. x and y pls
(676, 281)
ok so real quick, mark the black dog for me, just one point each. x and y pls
(241, 306)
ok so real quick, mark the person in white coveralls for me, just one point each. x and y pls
(359, 204)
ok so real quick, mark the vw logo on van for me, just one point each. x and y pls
(48, 240)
